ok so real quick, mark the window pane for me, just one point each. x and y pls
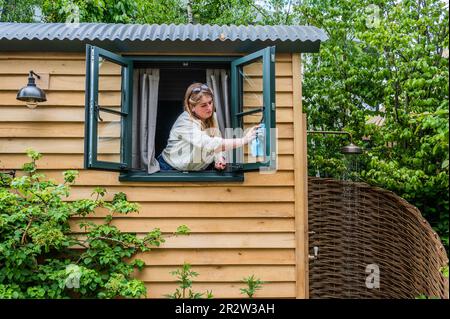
(109, 97)
(252, 83)
(108, 142)
(109, 83)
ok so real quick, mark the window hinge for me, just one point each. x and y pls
(97, 112)
(272, 57)
(273, 106)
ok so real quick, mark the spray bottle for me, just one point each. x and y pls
(257, 144)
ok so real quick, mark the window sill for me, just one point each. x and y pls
(177, 176)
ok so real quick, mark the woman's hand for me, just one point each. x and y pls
(251, 134)
(220, 164)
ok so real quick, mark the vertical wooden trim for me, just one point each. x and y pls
(301, 185)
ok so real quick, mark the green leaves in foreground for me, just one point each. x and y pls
(50, 249)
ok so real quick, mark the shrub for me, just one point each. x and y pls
(184, 276)
(253, 284)
(42, 257)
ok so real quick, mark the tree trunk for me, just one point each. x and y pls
(189, 11)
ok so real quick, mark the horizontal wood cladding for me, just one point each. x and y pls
(207, 256)
(211, 193)
(232, 240)
(237, 228)
(226, 273)
(208, 210)
(105, 178)
(223, 240)
(197, 225)
(226, 290)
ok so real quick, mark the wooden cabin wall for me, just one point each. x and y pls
(238, 229)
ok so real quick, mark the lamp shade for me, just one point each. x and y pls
(31, 93)
(351, 149)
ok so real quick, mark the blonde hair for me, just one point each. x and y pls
(192, 99)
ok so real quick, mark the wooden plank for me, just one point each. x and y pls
(197, 225)
(48, 161)
(283, 115)
(43, 55)
(282, 57)
(48, 114)
(193, 194)
(225, 273)
(231, 240)
(61, 98)
(75, 161)
(62, 82)
(60, 67)
(53, 145)
(224, 240)
(76, 145)
(225, 290)
(301, 177)
(105, 178)
(279, 256)
(61, 129)
(282, 84)
(77, 114)
(282, 99)
(282, 68)
(206, 210)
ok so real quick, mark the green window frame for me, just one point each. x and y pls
(92, 108)
(267, 110)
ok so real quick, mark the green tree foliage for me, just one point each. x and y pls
(20, 10)
(114, 11)
(41, 255)
(223, 11)
(383, 58)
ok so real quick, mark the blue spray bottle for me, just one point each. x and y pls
(257, 144)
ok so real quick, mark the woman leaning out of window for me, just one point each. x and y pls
(195, 141)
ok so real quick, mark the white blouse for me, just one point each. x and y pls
(189, 148)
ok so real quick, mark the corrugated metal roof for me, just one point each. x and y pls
(294, 38)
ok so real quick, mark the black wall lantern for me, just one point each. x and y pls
(31, 94)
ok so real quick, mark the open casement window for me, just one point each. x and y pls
(108, 120)
(253, 102)
(109, 123)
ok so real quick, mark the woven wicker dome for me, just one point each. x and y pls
(356, 225)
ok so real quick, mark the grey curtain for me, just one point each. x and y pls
(145, 107)
(217, 79)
